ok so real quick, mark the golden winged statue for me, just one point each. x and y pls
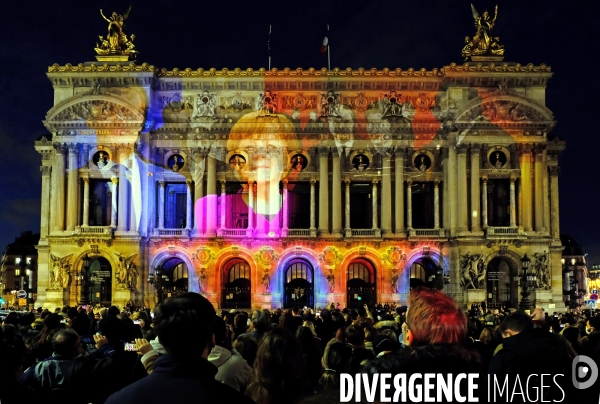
(483, 44)
(116, 46)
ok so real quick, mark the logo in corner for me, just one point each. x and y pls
(584, 372)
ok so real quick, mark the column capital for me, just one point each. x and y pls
(251, 182)
(512, 180)
(445, 153)
(461, 149)
(538, 148)
(475, 148)
(374, 180)
(323, 151)
(198, 154)
(554, 170)
(61, 148)
(73, 148)
(436, 184)
(86, 180)
(408, 183)
(45, 170)
(313, 182)
(188, 183)
(400, 151)
(284, 182)
(115, 180)
(525, 148)
(161, 184)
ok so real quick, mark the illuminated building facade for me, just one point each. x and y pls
(298, 187)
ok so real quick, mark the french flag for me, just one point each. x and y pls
(325, 43)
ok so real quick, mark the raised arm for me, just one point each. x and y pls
(103, 16)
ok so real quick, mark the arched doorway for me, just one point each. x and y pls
(360, 284)
(298, 286)
(235, 293)
(423, 272)
(100, 286)
(174, 273)
(501, 291)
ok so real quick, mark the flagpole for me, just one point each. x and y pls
(269, 47)
(328, 49)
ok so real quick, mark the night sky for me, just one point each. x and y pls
(396, 33)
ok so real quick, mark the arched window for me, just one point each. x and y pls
(418, 272)
(180, 272)
(298, 270)
(239, 270)
(359, 270)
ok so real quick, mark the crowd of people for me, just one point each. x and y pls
(184, 351)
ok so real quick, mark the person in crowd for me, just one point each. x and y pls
(434, 333)
(247, 346)
(312, 354)
(259, 326)
(13, 391)
(486, 345)
(240, 324)
(41, 346)
(64, 376)
(527, 350)
(355, 337)
(362, 316)
(232, 368)
(279, 373)
(184, 325)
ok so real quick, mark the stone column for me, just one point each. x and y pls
(409, 205)
(538, 189)
(199, 210)
(484, 206)
(347, 229)
(386, 194)
(526, 189)
(58, 213)
(336, 194)
(545, 195)
(436, 205)
(250, 229)
(374, 198)
(475, 193)
(445, 190)
(399, 191)
(462, 195)
(123, 189)
(285, 224)
(188, 207)
(452, 191)
(274, 196)
(223, 203)
(262, 192)
(313, 229)
(73, 187)
(323, 191)
(46, 201)
(161, 204)
(513, 204)
(86, 201)
(554, 213)
(211, 195)
(113, 210)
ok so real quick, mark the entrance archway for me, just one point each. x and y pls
(100, 286)
(501, 291)
(423, 272)
(235, 293)
(174, 272)
(298, 285)
(360, 284)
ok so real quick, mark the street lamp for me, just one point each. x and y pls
(526, 281)
(82, 278)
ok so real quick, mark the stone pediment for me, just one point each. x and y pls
(93, 111)
(504, 111)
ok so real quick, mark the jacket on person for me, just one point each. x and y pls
(232, 368)
(535, 352)
(179, 382)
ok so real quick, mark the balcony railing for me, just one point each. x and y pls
(502, 231)
(234, 232)
(298, 232)
(365, 232)
(172, 232)
(94, 230)
(426, 233)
